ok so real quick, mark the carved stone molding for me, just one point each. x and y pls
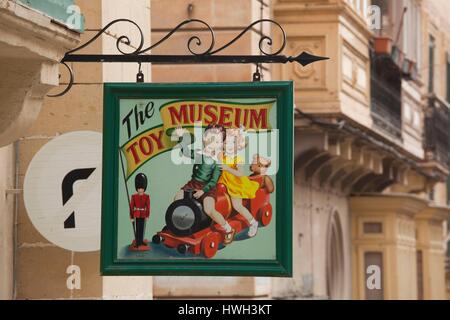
(31, 47)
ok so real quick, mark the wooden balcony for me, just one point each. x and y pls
(436, 142)
(386, 102)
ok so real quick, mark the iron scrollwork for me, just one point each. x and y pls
(208, 55)
(69, 85)
(197, 39)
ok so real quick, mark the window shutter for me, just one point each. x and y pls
(431, 64)
(448, 76)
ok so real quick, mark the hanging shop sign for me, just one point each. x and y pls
(197, 179)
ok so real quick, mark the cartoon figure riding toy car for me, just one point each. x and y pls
(220, 200)
(189, 229)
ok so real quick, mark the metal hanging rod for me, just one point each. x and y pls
(208, 55)
(304, 58)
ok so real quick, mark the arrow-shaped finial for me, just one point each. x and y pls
(306, 58)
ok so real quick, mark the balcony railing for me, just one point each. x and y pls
(437, 131)
(447, 258)
(386, 103)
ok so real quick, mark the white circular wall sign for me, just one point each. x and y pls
(62, 190)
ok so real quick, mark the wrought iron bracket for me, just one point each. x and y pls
(207, 56)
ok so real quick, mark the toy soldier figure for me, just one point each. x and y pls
(140, 212)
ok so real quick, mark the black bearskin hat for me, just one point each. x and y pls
(140, 181)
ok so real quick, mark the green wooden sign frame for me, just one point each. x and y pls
(282, 91)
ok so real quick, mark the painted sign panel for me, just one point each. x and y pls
(197, 179)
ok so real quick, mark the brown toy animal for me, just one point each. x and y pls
(259, 167)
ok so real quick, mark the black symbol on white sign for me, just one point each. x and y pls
(67, 190)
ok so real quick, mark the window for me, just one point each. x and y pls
(373, 227)
(431, 49)
(419, 262)
(384, 7)
(431, 194)
(360, 6)
(412, 31)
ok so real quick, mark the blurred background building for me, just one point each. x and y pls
(371, 140)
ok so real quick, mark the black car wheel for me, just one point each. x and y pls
(157, 239)
(182, 248)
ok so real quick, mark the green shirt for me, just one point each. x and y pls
(207, 171)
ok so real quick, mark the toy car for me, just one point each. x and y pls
(189, 229)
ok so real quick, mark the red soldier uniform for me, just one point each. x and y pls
(140, 206)
(139, 212)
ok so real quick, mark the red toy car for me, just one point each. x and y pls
(189, 229)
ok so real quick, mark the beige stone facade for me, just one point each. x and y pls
(370, 191)
(31, 47)
(370, 141)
